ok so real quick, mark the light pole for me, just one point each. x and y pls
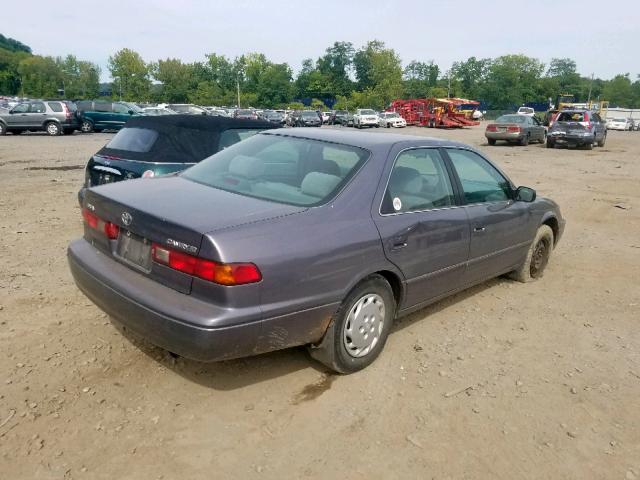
(238, 89)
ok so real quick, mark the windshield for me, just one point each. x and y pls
(526, 110)
(310, 114)
(134, 140)
(367, 112)
(511, 119)
(295, 171)
(391, 115)
(244, 112)
(133, 107)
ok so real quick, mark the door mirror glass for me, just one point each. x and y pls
(130, 112)
(525, 194)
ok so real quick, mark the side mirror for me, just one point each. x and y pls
(131, 112)
(525, 194)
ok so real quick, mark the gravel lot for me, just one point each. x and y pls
(502, 381)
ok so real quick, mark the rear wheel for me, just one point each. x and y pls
(537, 256)
(52, 128)
(360, 327)
(601, 142)
(550, 143)
(86, 126)
(491, 141)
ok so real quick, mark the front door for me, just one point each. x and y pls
(498, 225)
(19, 116)
(424, 233)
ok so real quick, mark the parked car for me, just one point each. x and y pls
(578, 128)
(339, 117)
(527, 111)
(306, 237)
(307, 118)
(326, 116)
(185, 108)
(157, 111)
(246, 113)
(364, 117)
(391, 119)
(56, 117)
(274, 117)
(98, 115)
(158, 145)
(515, 128)
(619, 124)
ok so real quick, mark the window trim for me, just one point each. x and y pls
(510, 197)
(447, 167)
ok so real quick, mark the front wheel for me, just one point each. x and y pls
(550, 143)
(360, 327)
(3, 129)
(537, 256)
(524, 141)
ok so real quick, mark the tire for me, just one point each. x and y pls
(3, 129)
(344, 348)
(86, 126)
(388, 125)
(602, 142)
(588, 146)
(52, 129)
(537, 256)
(491, 141)
(550, 144)
(524, 141)
(543, 140)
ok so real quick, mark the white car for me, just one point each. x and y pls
(527, 111)
(391, 119)
(325, 116)
(619, 124)
(157, 111)
(365, 117)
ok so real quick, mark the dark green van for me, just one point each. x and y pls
(98, 115)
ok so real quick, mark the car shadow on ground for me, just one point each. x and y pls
(239, 373)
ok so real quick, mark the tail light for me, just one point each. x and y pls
(587, 122)
(492, 128)
(513, 129)
(67, 112)
(221, 273)
(111, 230)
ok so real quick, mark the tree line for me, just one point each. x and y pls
(343, 77)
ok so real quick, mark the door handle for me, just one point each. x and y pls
(479, 229)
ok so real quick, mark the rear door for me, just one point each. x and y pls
(37, 115)
(424, 233)
(499, 227)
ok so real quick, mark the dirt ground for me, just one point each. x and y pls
(504, 381)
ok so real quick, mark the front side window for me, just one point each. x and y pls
(120, 108)
(418, 181)
(481, 182)
(234, 135)
(295, 171)
(103, 107)
(21, 108)
(134, 140)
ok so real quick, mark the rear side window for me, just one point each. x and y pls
(71, 106)
(103, 107)
(234, 135)
(134, 140)
(55, 106)
(38, 107)
(481, 182)
(418, 181)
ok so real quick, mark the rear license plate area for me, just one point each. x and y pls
(134, 249)
(502, 129)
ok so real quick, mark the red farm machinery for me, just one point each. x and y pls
(437, 112)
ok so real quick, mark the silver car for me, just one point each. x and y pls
(516, 128)
(52, 116)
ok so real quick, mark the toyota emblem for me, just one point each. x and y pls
(126, 218)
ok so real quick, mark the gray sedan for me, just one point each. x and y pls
(520, 129)
(299, 237)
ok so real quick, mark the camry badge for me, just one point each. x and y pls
(126, 218)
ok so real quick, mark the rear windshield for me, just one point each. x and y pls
(295, 171)
(367, 112)
(571, 117)
(511, 119)
(139, 140)
(526, 110)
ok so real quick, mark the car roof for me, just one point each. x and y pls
(196, 122)
(367, 140)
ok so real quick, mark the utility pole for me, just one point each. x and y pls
(589, 98)
(449, 84)
(238, 88)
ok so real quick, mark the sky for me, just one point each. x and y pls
(603, 38)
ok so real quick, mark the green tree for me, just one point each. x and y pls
(130, 75)
(470, 75)
(512, 80)
(379, 73)
(618, 91)
(176, 78)
(274, 86)
(9, 75)
(41, 77)
(335, 65)
(420, 78)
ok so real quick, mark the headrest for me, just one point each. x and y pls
(319, 184)
(405, 180)
(248, 167)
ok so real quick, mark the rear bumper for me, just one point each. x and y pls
(184, 324)
(571, 139)
(503, 136)
(169, 319)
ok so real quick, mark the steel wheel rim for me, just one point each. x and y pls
(363, 328)
(52, 129)
(86, 127)
(539, 257)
